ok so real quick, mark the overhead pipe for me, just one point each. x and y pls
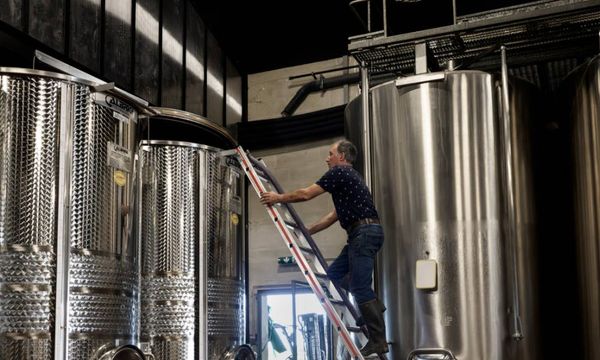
(314, 74)
(323, 83)
(320, 84)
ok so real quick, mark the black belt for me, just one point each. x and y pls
(362, 222)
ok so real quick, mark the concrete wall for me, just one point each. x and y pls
(269, 92)
(295, 167)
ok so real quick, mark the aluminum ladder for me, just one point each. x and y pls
(307, 255)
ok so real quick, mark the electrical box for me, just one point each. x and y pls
(426, 275)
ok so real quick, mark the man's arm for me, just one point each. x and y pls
(270, 198)
(325, 222)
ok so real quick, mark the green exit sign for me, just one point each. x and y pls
(286, 260)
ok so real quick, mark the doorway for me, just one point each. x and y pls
(283, 336)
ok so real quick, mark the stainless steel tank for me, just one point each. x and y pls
(68, 262)
(445, 270)
(193, 297)
(585, 142)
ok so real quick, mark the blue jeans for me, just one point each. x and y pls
(353, 268)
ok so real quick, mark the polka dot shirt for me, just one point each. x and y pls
(351, 197)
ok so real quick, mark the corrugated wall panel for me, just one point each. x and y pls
(172, 54)
(194, 63)
(12, 13)
(214, 78)
(173, 60)
(233, 95)
(47, 22)
(117, 42)
(147, 30)
(84, 33)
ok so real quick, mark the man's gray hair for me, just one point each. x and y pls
(348, 149)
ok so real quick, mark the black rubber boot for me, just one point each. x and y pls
(373, 315)
(382, 306)
(360, 321)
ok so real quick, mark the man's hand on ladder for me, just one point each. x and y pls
(269, 198)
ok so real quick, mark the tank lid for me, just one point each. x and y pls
(139, 104)
(179, 143)
(193, 128)
(43, 73)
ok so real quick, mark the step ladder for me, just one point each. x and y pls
(303, 248)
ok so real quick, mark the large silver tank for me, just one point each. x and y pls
(585, 142)
(68, 262)
(438, 184)
(193, 298)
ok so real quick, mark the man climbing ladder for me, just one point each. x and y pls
(353, 268)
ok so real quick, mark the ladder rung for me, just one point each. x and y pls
(321, 276)
(353, 329)
(337, 302)
(259, 171)
(291, 224)
(307, 250)
(262, 177)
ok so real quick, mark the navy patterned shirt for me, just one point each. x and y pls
(351, 197)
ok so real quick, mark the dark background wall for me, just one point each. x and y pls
(160, 50)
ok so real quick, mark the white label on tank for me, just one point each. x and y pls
(426, 275)
(119, 157)
(235, 205)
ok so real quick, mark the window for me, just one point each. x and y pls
(313, 332)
